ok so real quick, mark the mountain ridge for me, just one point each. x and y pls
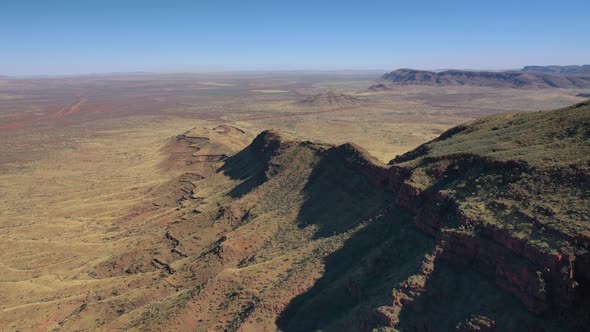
(505, 79)
(562, 70)
(538, 290)
(484, 226)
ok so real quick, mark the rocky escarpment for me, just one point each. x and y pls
(561, 70)
(505, 79)
(543, 278)
(503, 214)
(541, 275)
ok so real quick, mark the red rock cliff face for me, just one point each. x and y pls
(540, 279)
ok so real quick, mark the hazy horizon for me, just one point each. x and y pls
(262, 71)
(74, 38)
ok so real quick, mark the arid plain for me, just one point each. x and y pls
(90, 213)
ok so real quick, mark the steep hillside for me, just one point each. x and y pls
(507, 79)
(509, 195)
(560, 70)
(483, 229)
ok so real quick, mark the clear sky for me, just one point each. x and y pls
(80, 36)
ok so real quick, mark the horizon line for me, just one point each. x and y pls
(226, 71)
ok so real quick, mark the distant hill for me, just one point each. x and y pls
(329, 99)
(560, 70)
(505, 79)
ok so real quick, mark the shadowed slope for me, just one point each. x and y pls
(359, 277)
(338, 197)
(251, 164)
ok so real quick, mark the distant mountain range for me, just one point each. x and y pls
(528, 77)
(560, 70)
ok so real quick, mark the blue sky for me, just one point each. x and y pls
(79, 36)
